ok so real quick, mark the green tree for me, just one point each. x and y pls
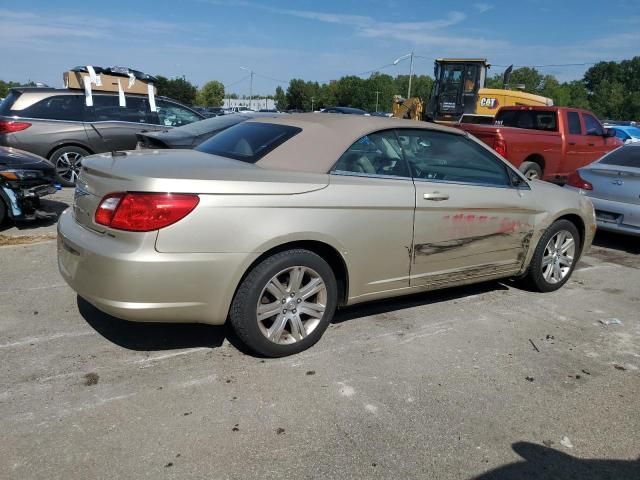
(281, 99)
(179, 89)
(421, 86)
(298, 94)
(529, 77)
(6, 86)
(211, 94)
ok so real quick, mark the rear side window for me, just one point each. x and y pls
(107, 108)
(248, 141)
(530, 119)
(628, 156)
(573, 120)
(58, 107)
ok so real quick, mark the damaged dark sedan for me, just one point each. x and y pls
(24, 179)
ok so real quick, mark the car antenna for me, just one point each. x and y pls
(114, 152)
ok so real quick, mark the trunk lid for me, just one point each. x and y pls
(615, 183)
(180, 171)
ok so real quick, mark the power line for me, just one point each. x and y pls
(236, 82)
(549, 65)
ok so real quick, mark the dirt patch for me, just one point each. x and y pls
(8, 240)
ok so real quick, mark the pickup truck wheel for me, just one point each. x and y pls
(555, 257)
(285, 303)
(67, 161)
(531, 170)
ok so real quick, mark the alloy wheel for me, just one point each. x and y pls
(68, 166)
(291, 305)
(558, 257)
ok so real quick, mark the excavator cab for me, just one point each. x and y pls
(456, 87)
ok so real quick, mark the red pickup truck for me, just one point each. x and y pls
(546, 142)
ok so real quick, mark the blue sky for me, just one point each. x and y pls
(314, 40)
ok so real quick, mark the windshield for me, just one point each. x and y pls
(248, 141)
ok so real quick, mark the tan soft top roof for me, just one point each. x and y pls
(326, 136)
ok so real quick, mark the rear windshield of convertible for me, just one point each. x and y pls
(248, 141)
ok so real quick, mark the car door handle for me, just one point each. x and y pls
(436, 196)
(592, 144)
(573, 144)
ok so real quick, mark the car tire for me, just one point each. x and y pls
(67, 162)
(548, 270)
(274, 314)
(531, 170)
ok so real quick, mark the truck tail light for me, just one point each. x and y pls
(500, 146)
(9, 126)
(144, 212)
(575, 180)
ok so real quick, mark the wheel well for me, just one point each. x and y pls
(536, 158)
(327, 252)
(577, 221)
(70, 144)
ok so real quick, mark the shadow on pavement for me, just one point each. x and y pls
(151, 336)
(543, 463)
(617, 241)
(415, 300)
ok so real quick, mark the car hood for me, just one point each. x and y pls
(12, 158)
(190, 171)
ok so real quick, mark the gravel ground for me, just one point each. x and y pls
(488, 381)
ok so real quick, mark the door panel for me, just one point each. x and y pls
(118, 125)
(473, 231)
(469, 220)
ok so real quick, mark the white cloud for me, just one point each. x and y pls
(482, 7)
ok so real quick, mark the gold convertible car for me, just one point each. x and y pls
(276, 222)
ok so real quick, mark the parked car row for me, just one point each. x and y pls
(58, 125)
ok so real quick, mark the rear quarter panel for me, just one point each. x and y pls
(371, 230)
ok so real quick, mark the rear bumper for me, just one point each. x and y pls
(627, 214)
(135, 282)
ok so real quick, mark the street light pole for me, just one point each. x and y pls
(312, 99)
(377, 94)
(410, 75)
(410, 56)
(250, 85)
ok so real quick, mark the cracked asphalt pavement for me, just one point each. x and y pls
(487, 381)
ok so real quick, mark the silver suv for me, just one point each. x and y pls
(57, 124)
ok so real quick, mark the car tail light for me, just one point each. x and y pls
(575, 180)
(144, 212)
(500, 146)
(9, 126)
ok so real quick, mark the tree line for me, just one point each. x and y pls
(609, 89)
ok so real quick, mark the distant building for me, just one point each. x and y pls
(255, 104)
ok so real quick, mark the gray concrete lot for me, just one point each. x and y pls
(477, 382)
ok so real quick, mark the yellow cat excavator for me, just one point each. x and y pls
(459, 89)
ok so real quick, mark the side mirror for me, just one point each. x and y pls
(609, 133)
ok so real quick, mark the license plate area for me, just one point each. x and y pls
(608, 217)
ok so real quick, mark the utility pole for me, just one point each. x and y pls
(251, 72)
(251, 87)
(377, 94)
(312, 99)
(410, 75)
